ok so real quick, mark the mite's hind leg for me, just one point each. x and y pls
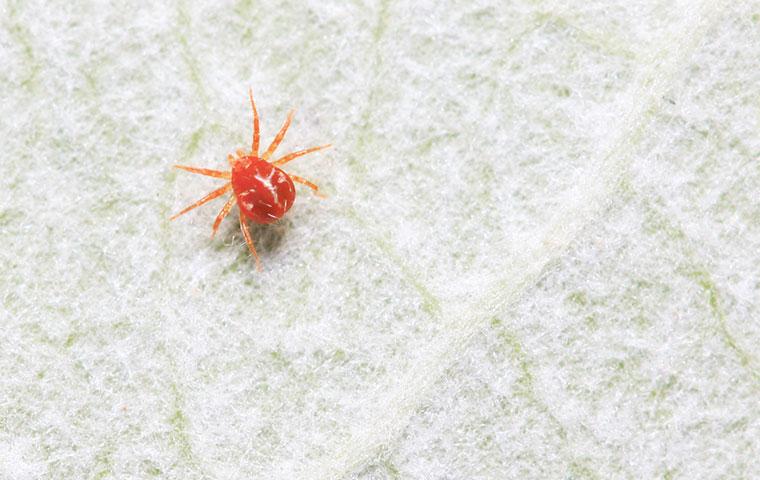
(249, 240)
(309, 184)
(225, 211)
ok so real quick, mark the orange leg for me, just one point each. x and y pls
(216, 193)
(291, 156)
(204, 171)
(309, 184)
(225, 211)
(249, 241)
(280, 135)
(231, 160)
(255, 143)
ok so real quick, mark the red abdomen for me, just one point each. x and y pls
(264, 192)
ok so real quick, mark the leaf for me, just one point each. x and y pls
(537, 259)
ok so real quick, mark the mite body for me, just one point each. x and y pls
(262, 191)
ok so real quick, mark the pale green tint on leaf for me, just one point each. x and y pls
(538, 259)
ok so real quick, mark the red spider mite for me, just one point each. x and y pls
(262, 191)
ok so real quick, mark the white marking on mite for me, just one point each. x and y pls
(267, 182)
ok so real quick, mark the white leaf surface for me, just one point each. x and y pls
(539, 256)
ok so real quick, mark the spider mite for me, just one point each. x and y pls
(262, 191)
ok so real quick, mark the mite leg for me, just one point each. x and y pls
(278, 138)
(291, 156)
(225, 211)
(309, 184)
(249, 240)
(204, 171)
(255, 143)
(216, 193)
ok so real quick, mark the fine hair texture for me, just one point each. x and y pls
(539, 255)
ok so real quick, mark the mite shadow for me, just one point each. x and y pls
(267, 239)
